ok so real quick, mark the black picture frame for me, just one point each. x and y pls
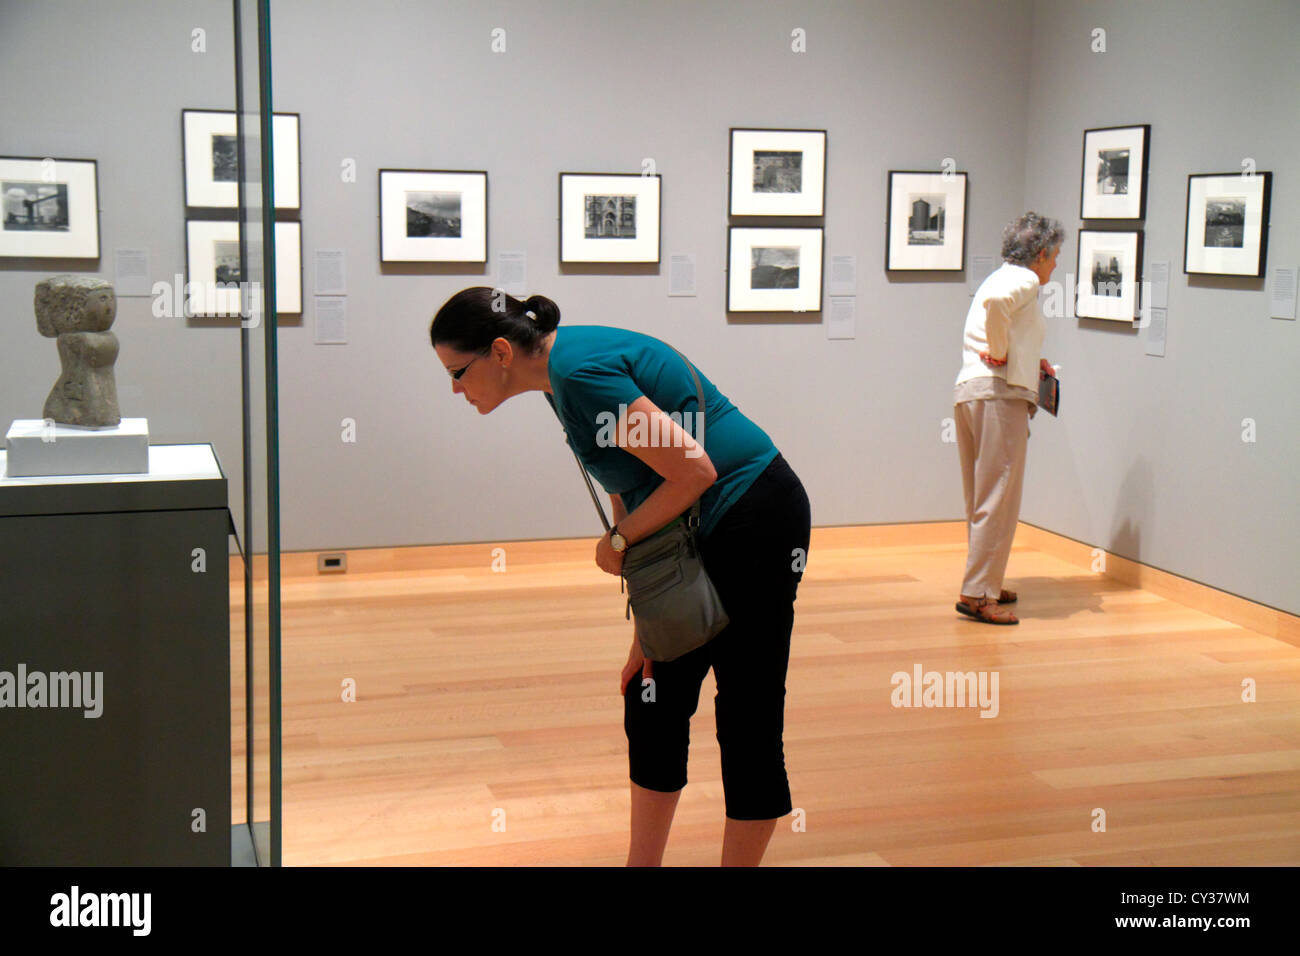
(741, 203)
(762, 300)
(573, 249)
(82, 240)
(1097, 204)
(898, 255)
(1127, 305)
(206, 198)
(1256, 192)
(396, 245)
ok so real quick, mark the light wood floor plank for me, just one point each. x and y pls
(482, 693)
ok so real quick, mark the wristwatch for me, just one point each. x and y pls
(616, 540)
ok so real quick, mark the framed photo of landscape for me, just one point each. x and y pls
(51, 208)
(214, 279)
(925, 228)
(1227, 223)
(1110, 271)
(211, 160)
(1114, 179)
(774, 270)
(432, 215)
(778, 172)
(609, 217)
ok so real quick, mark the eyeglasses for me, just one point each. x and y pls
(461, 371)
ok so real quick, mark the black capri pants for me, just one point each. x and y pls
(755, 557)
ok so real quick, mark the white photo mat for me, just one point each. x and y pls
(1093, 203)
(808, 201)
(207, 299)
(792, 246)
(31, 179)
(1125, 248)
(576, 246)
(1244, 260)
(950, 253)
(202, 190)
(394, 243)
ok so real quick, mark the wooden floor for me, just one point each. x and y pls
(490, 698)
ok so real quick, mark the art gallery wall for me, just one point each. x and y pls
(1147, 460)
(1143, 463)
(602, 87)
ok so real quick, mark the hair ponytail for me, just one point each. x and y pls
(474, 318)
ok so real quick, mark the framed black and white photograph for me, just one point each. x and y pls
(51, 208)
(774, 270)
(212, 160)
(1110, 273)
(778, 172)
(432, 215)
(1227, 224)
(1114, 179)
(609, 217)
(213, 270)
(925, 227)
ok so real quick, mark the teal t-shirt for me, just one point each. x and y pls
(596, 368)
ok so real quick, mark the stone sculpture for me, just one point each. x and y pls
(79, 310)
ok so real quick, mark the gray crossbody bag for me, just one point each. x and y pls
(677, 607)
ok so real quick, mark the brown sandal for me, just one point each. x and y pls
(1007, 597)
(987, 612)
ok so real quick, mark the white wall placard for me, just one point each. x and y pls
(331, 320)
(512, 270)
(841, 321)
(131, 273)
(1158, 276)
(331, 272)
(1156, 332)
(1283, 294)
(981, 267)
(681, 274)
(843, 276)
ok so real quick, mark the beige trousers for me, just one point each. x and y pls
(991, 438)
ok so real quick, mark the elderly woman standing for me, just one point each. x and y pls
(995, 396)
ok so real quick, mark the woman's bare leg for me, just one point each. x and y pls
(745, 841)
(652, 816)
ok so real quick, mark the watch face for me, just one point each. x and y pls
(618, 541)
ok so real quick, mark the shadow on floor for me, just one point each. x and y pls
(1050, 598)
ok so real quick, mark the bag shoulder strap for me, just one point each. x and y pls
(694, 521)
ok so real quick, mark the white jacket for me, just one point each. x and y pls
(1004, 320)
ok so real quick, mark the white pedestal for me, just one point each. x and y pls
(35, 450)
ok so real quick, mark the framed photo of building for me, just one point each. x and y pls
(211, 160)
(1110, 270)
(774, 270)
(1227, 223)
(778, 172)
(1114, 179)
(609, 217)
(432, 215)
(51, 208)
(214, 275)
(925, 228)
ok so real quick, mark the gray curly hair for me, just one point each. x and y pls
(1025, 238)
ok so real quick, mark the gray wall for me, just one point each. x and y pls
(1148, 460)
(599, 87)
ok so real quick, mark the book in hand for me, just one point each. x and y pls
(1049, 392)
